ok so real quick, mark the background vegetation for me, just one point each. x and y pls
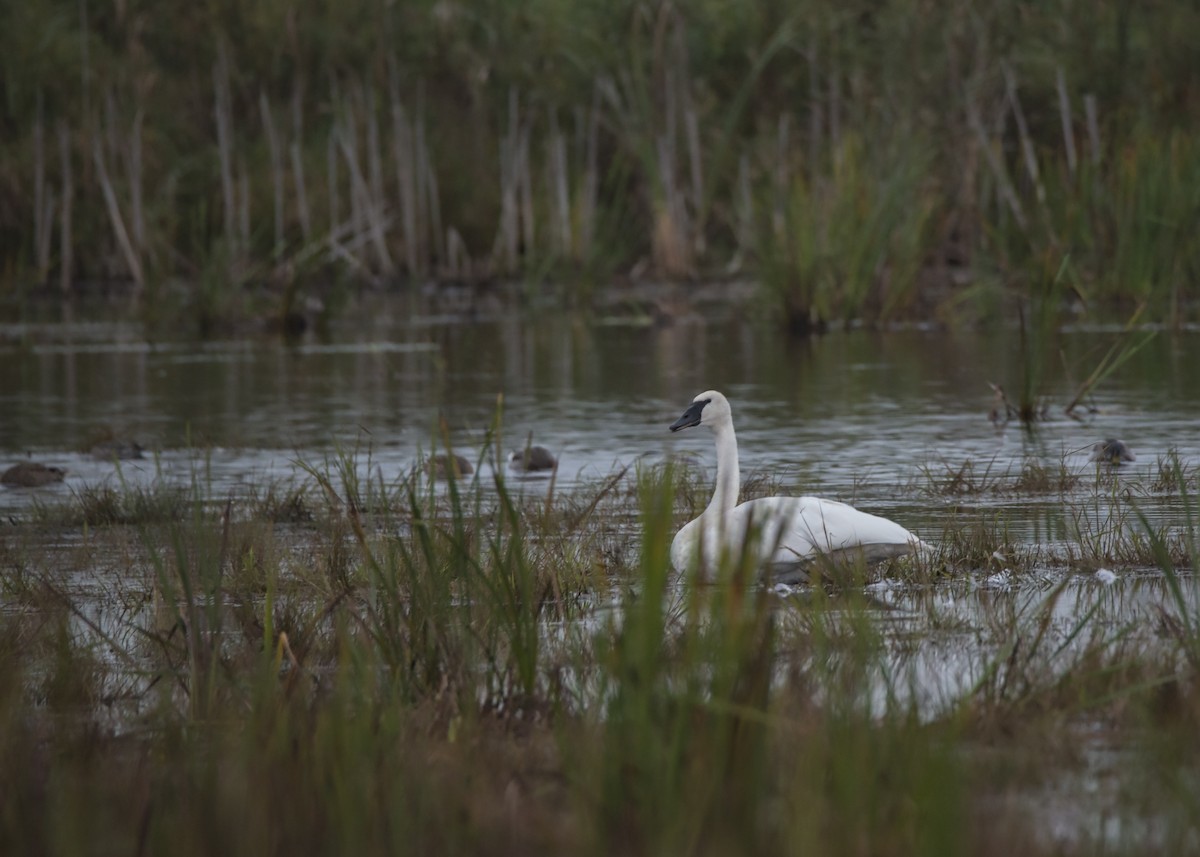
(867, 159)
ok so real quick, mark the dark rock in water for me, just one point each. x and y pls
(31, 474)
(533, 459)
(117, 450)
(1112, 451)
(443, 466)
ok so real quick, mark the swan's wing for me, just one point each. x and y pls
(798, 529)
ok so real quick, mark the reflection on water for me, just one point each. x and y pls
(859, 416)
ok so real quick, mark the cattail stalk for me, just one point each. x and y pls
(331, 176)
(134, 167)
(525, 187)
(243, 204)
(223, 113)
(66, 260)
(1064, 112)
(591, 180)
(298, 162)
(1093, 126)
(427, 175)
(559, 183)
(114, 215)
(364, 215)
(277, 174)
(41, 240)
(814, 107)
(1031, 164)
(996, 166)
(404, 156)
(378, 206)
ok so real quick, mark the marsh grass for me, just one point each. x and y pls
(849, 245)
(973, 479)
(105, 504)
(862, 168)
(469, 670)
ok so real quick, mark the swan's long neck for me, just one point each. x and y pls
(729, 479)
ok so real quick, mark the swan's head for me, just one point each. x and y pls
(708, 409)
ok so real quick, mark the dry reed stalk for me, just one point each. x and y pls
(669, 241)
(1030, 155)
(114, 216)
(275, 150)
(243, 204)
(525, 185)
(346, 138)
(782, 177)
(363, 211)
(85, 66)
(559, 182)
(744, 212)
(113, 153)
(66, 260)
(134, 168)
(41, 224)
(996, 165)
(429, 175)
(1064, 112)
(815, 130)
(691, 127)
(378, 206)
(331, 176)
(223, 113)
(428, 198)
(506, 249)
(591, 180)
(47, 231)
(692, 133)
(338, 249)
(1093, 126)
(298, 161)
(404, 156)
(458, 259)
(835, 104)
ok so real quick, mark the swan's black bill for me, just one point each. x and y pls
(691, 417)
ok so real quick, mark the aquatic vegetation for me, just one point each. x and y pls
(860, 167)
(975, 478)
(484, 669)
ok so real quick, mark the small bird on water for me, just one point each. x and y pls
(532, 459)
(1112, 451)
(445, 466)
(31, 474)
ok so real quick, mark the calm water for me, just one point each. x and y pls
(859, 415)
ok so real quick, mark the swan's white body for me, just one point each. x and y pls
(785, 532)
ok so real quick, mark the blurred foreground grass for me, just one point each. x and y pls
(366, 667)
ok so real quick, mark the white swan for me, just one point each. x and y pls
(792, 531)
